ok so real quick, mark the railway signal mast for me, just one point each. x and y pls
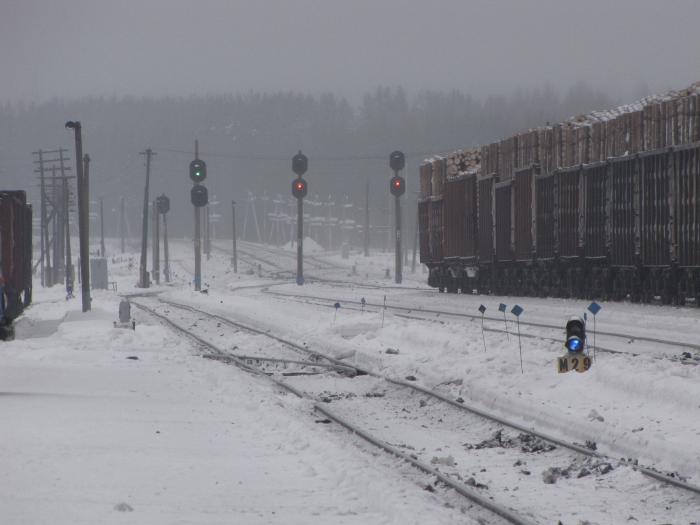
(162, 207)
(397, 186)
(300, 164)
(199, 197)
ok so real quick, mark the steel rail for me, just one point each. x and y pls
(265, 333)
(695, 346)
(460, 405)
(459, 487)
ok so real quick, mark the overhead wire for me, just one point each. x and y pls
(347, 158)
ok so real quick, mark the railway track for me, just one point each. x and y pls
(280, 271)
(420, 312)
(364, 401)
(247, 364)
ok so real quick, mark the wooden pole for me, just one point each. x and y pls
(143, 273)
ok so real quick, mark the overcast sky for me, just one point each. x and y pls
(71, 48)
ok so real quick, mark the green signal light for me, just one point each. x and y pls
(198, 170)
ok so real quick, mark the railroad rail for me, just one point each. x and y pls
(647, 471)
(329, 302)
(220, 354)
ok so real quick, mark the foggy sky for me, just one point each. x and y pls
(72, 48)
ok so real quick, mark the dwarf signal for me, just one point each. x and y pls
(575, 358)
(575, 335)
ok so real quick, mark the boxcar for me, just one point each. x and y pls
(15, 257)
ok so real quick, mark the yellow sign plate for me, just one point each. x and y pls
(573, 361)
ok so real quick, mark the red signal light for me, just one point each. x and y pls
(397, 186)
(299, 188)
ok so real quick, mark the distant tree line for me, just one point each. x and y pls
(249, 138)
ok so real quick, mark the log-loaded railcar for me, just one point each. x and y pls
(15, 258)
(605, 205)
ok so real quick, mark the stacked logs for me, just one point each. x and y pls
(655, 122)
(463, 162)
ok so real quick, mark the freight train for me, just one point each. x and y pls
(15, 258)
(605, 206)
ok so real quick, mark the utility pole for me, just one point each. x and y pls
(54, 228)
(44, 229)
(156, 242)
(329, 222)
(121, 223)
(415, 244)
(51, 221)
(82, 168)
(64, 209)
(70, 277)
(264, 200)
(366, 218)
(166, 267)
(102, 228)
(143, 274)
(233, 221)
(84, 223)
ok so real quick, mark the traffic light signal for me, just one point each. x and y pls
(163, 204)
(575, 334)
(198, 171)
(300, 163)
(299, 188)
(199, 195)
(397, 185)
(397, 161)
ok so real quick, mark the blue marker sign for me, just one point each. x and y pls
(594, 308)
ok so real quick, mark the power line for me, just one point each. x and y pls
(347, 158)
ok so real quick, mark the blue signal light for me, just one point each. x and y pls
(574, 344)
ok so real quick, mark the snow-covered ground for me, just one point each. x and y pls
(99, 422)
(178, 438)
